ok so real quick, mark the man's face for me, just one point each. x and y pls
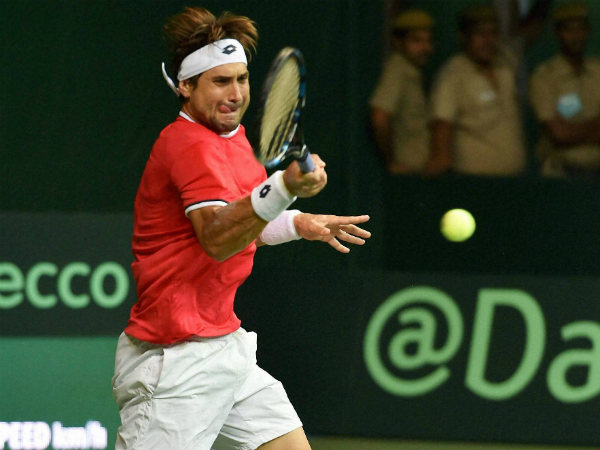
(417, 46)
(573, 36)
(220, 97)
(481, 42)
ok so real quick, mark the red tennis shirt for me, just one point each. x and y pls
(182, 292)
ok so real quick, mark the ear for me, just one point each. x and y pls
(185, 88)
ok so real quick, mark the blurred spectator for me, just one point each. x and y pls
(521, 24)
(398, 105)
(565, 95)
(476, 120)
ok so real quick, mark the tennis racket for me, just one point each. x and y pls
(279, 131)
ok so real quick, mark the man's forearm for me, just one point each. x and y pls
(224, 231)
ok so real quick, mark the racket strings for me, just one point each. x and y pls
(278, 125)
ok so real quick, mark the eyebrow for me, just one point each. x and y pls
(230, 77)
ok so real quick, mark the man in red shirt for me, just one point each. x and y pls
(185, 372)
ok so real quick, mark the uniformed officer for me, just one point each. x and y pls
(476, 120)
(565, 95)
(398, 104)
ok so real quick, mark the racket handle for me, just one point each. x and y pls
(306, 163)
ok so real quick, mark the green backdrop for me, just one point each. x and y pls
(81, 102)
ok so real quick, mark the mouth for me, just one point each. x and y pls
(225, 109)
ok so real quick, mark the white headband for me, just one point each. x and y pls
(215, 54)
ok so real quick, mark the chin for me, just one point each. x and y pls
(421, 62)
(230, 122)
(228, 127)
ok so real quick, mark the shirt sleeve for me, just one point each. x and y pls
(389, 87)
(509, 56)
(201, 176)
(540, 97)
(444, 96)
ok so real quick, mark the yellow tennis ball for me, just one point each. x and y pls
(457, 225)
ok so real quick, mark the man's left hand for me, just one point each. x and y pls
(332, 229)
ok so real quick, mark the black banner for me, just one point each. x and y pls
(434, 356)
(65, 274)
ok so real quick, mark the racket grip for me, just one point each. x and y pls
(306, 163)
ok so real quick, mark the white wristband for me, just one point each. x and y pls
(281, 229)
(271, 198)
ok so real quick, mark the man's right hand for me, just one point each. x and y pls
(305, 184)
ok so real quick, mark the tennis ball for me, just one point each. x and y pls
(457, 225)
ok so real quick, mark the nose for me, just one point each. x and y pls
(235, 93)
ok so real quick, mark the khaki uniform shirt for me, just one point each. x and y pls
(556, 90)
(400, 93)
(488, 135)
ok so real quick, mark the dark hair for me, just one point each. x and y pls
(560, 24)
(194, 28)
(474, 14)
(400, 33)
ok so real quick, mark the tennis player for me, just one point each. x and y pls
(186, 375)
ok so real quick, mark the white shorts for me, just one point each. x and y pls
(206, 393)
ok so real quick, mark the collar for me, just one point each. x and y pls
(410, 67)
(565, 66)
(226, 135)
